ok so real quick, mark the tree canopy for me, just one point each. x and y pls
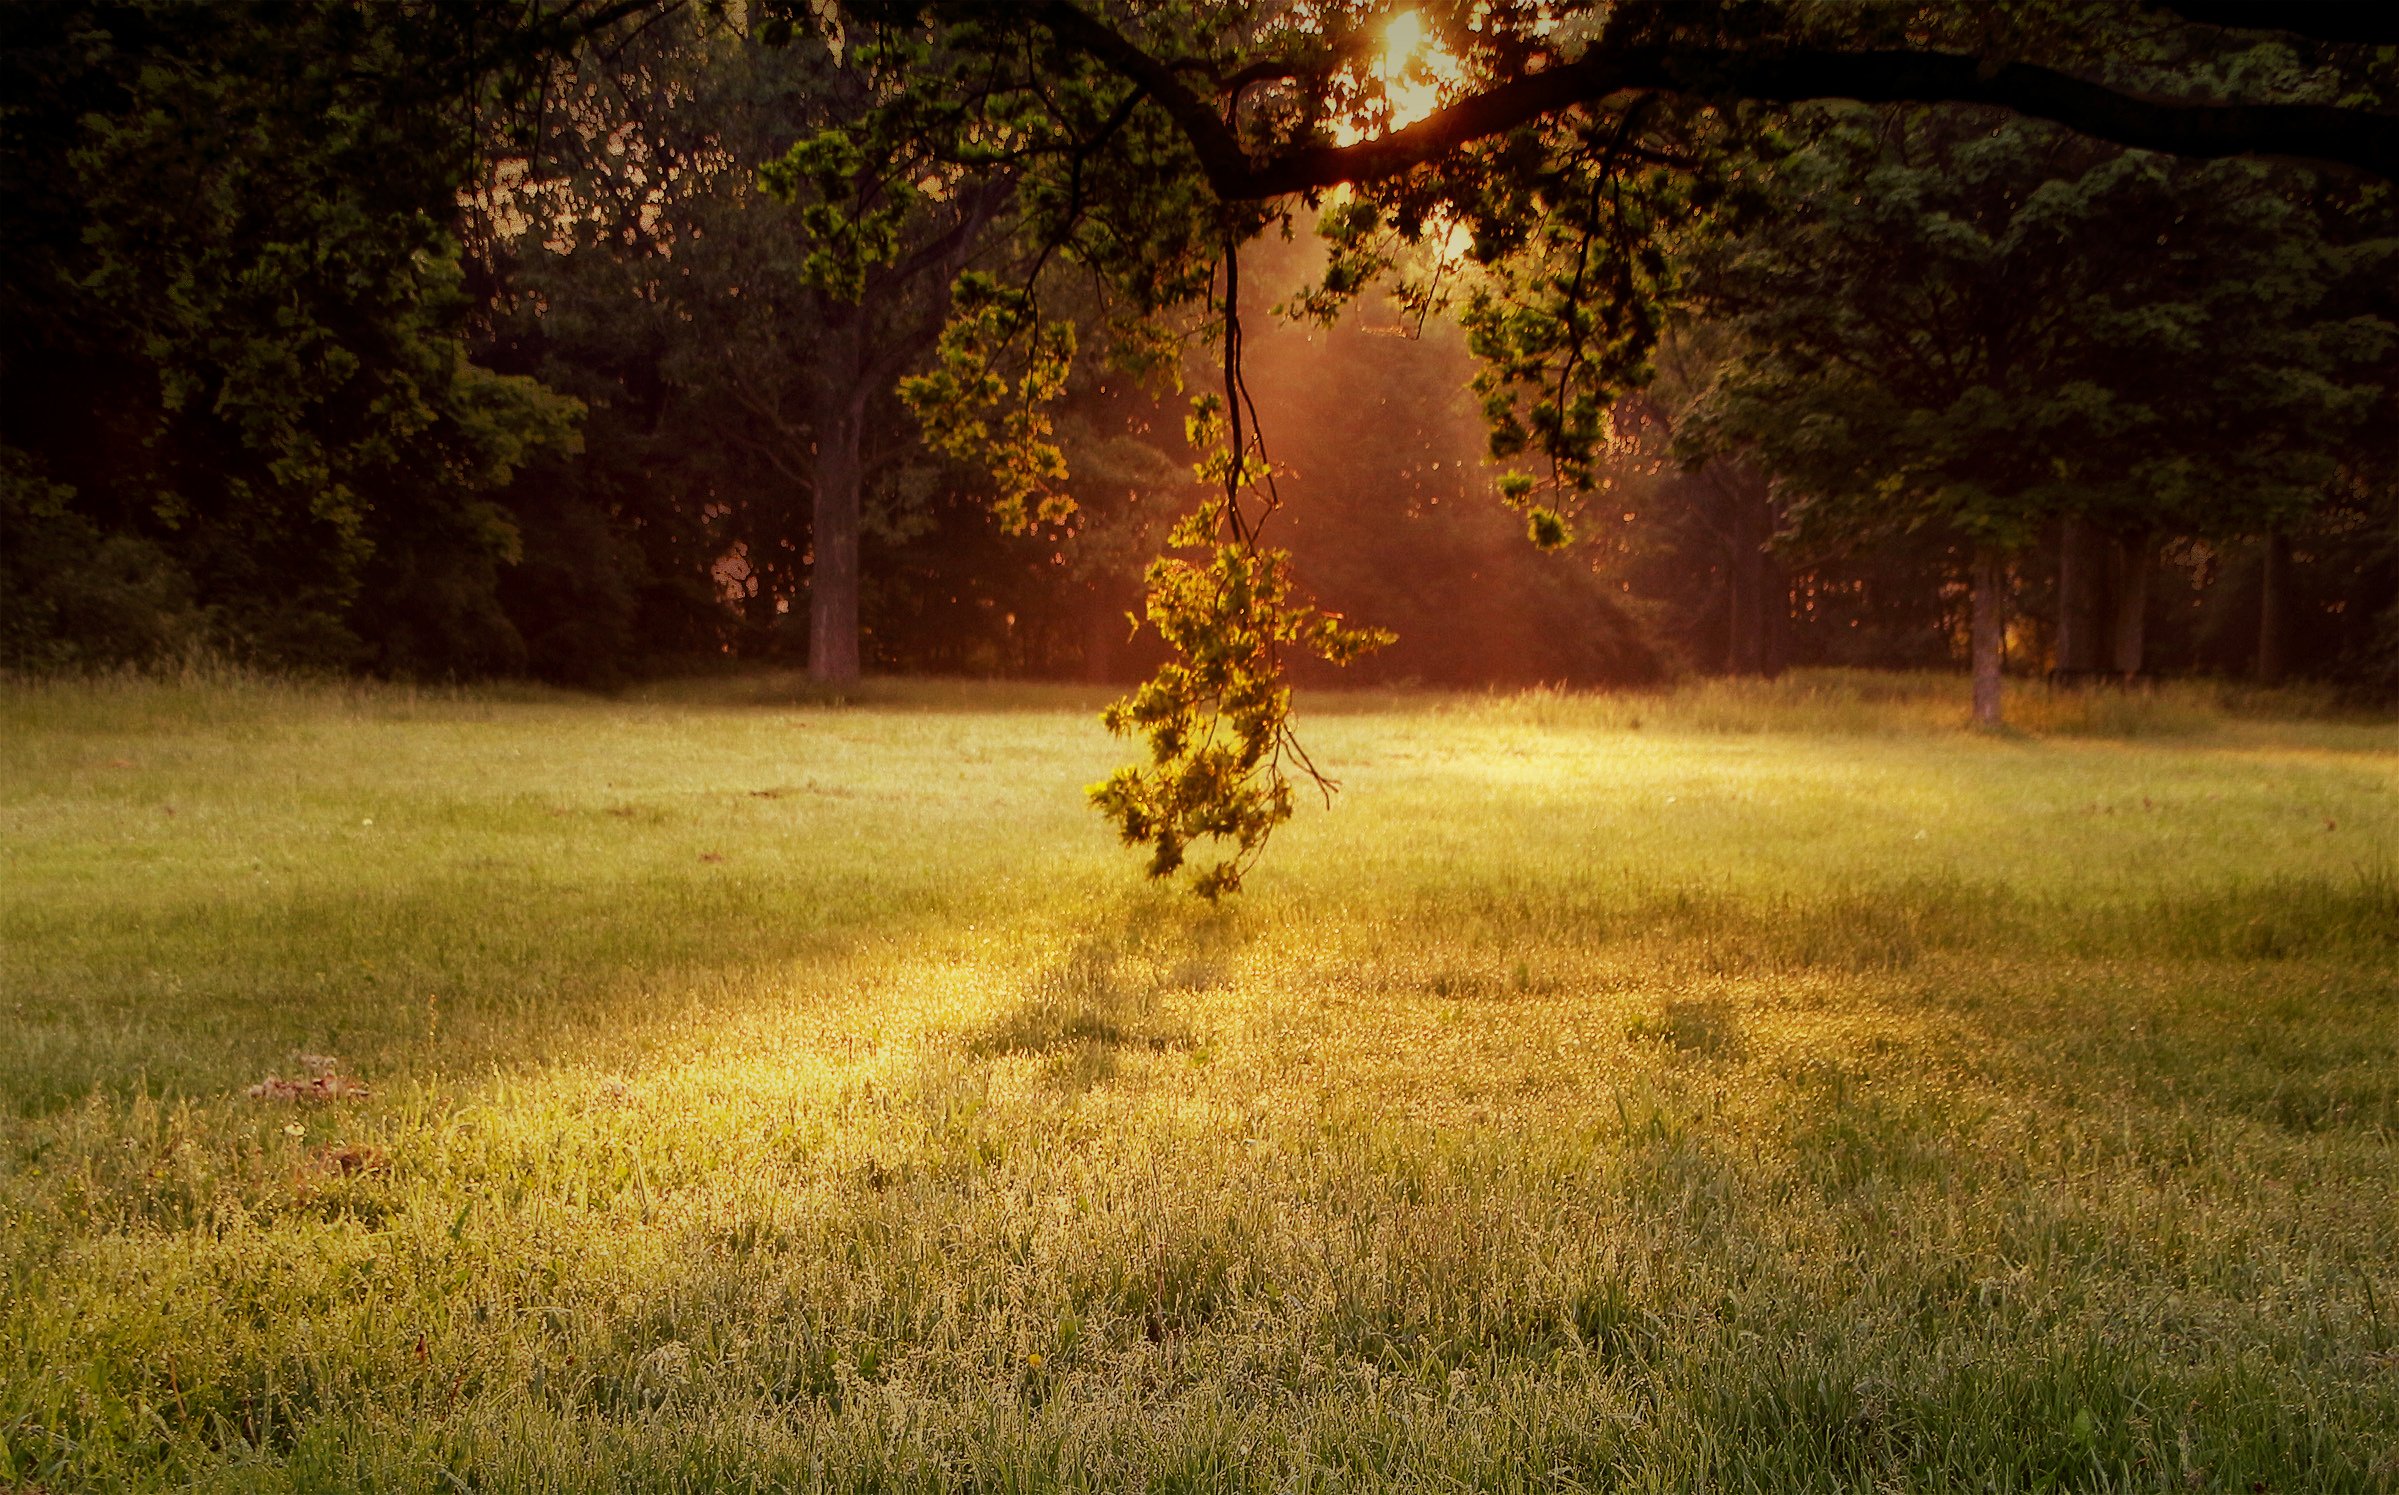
(233, 334)
(1991, 328)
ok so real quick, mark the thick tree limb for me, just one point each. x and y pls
(1219, 150)
(2353, 140)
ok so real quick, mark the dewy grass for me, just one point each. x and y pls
(1741, 1088)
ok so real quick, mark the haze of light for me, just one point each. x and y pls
(1411, 69)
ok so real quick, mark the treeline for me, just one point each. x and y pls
(444, 341)
(2143, 407)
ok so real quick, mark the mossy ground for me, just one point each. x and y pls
(1741, 1088)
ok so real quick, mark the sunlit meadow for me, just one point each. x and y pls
(714, 1088)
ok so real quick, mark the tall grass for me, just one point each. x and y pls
(1764, 1087)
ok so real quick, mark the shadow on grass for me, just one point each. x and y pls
(1125, 988)
(1707, 1029)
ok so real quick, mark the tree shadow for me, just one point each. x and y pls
(1125, 988)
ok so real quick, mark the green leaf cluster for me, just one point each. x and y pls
(986, 401)
(1217, 717)
(1982, 325)
(232, 325)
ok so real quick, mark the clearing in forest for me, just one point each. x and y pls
(709, 1089)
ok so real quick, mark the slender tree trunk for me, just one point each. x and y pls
(2138, 554)
(757, 610)
(1101, 629)
(1740, 599)
(1774, 618)
(2273, 608)
(1989, 630)
(1756, 590)
(833, 576)
(2077, 600)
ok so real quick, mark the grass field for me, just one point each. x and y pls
(1768, 1088)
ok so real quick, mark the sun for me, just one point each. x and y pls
(1412, 68)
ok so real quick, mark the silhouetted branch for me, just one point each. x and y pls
(2327, 135)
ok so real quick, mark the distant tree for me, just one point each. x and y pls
(757, 364)
(229, 333)
(1693, 545)
(888, 235)
(1991, 326)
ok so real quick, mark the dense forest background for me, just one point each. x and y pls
(375, 339)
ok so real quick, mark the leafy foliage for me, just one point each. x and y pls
(1983, 325)
(1217, 717)
(231, 327)
(975, 413)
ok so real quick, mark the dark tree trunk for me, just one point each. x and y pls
(2078, 554)
(1103, 628)
(2137, 560)
(1740, 601)
(1989, 632)
(840, 420)
(1774, 622)
(757, 611)
(861, 353)
(1757, 594)
(2273, 608)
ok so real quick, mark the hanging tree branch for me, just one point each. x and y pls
(2348, 139)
